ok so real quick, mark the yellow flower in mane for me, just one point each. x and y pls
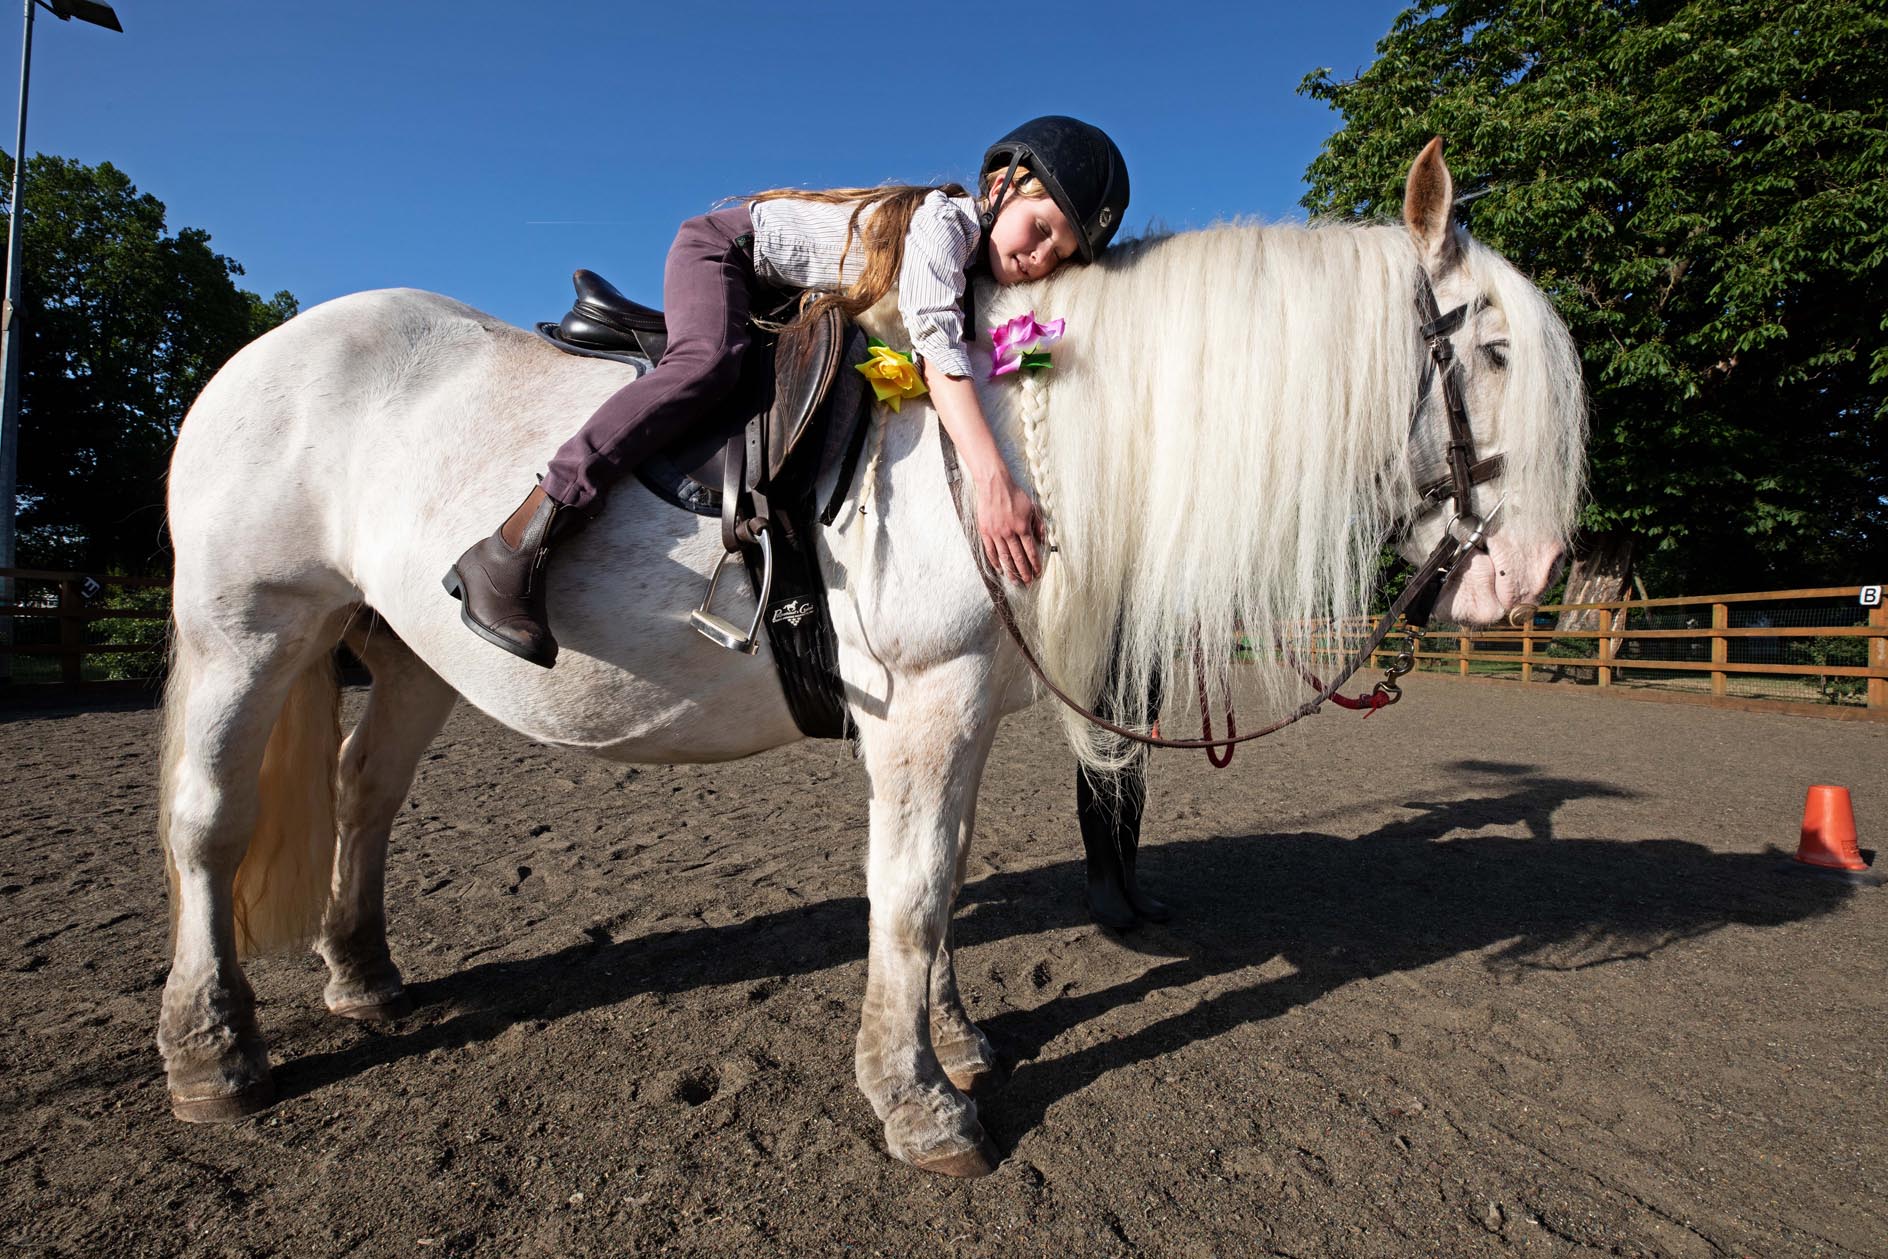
(893, 375)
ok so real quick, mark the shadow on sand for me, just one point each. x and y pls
(1336, 908)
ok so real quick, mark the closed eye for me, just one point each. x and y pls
(1048, 234)
(1497, 354)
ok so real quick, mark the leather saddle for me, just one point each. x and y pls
(604, 319)
(795, 417)
(790, 380)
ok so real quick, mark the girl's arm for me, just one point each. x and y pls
(1008, 522)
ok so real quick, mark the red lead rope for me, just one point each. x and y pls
(1206, 719)
(1213, 758)
(1367, 704)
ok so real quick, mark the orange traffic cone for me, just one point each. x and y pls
(1829, 831)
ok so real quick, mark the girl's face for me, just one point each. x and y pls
(1030, 238)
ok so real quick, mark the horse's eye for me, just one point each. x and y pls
(1497, 354)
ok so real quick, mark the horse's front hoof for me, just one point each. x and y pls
(384, 1008)
(226, 1107)
(976, 1083)
(980, 1160)
(937, 1131)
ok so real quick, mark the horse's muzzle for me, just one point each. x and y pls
(1522, 615)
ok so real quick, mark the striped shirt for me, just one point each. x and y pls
(797, 244)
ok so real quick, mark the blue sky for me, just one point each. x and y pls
(485, 149)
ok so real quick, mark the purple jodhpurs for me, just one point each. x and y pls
(707, 291)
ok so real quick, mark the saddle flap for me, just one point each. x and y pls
(807, 359)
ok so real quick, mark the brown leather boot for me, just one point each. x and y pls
(500, 581)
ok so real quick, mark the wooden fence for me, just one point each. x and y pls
(1626, 660)
(1641, 663)
(76, 605)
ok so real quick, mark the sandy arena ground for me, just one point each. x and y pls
(1492, 974)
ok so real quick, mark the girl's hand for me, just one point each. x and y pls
(1008, 523)
(1010, 526)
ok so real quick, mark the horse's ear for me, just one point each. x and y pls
(1429, 208)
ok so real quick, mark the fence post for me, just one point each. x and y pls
(71, 633)
(1878, 656)
(1608, 621)
(1527, 651)
(1720, 647)
(1462, 644)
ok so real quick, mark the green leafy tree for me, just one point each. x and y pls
(123, 324)
(1702, 188)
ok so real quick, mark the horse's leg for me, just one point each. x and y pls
(406, 707)
(234, 692)
(923, 760)
(961, 1047)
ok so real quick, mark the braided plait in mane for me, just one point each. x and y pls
(1034, 410)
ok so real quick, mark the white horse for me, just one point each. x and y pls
(1223, 442)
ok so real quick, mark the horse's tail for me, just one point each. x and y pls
(283, 884)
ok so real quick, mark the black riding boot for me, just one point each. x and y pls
(500, 581)
(1110, 815)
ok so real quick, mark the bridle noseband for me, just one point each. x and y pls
(1465, 533)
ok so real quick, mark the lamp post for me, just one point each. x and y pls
(98, 14)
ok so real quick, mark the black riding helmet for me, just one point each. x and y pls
(1078, 164)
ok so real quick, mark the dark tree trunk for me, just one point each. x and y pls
(1602, 571)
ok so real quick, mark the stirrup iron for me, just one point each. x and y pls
(722, 632)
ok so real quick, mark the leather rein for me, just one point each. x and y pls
(1465, 533)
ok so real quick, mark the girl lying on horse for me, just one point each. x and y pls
(1052, 190)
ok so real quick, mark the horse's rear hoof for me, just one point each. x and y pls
(978, 1161)
(226, 1108)
(377, 1010)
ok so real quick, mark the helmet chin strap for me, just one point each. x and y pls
(988, 217)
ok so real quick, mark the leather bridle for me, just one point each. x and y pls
(1466, 530)
(1465, 533)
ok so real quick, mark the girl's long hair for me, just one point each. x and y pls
(882, 235)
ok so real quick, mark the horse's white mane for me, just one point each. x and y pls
(1224, 444)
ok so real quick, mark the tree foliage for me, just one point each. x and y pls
(1702, 188)
(123, 322)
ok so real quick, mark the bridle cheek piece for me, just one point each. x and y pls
(1465, 533)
